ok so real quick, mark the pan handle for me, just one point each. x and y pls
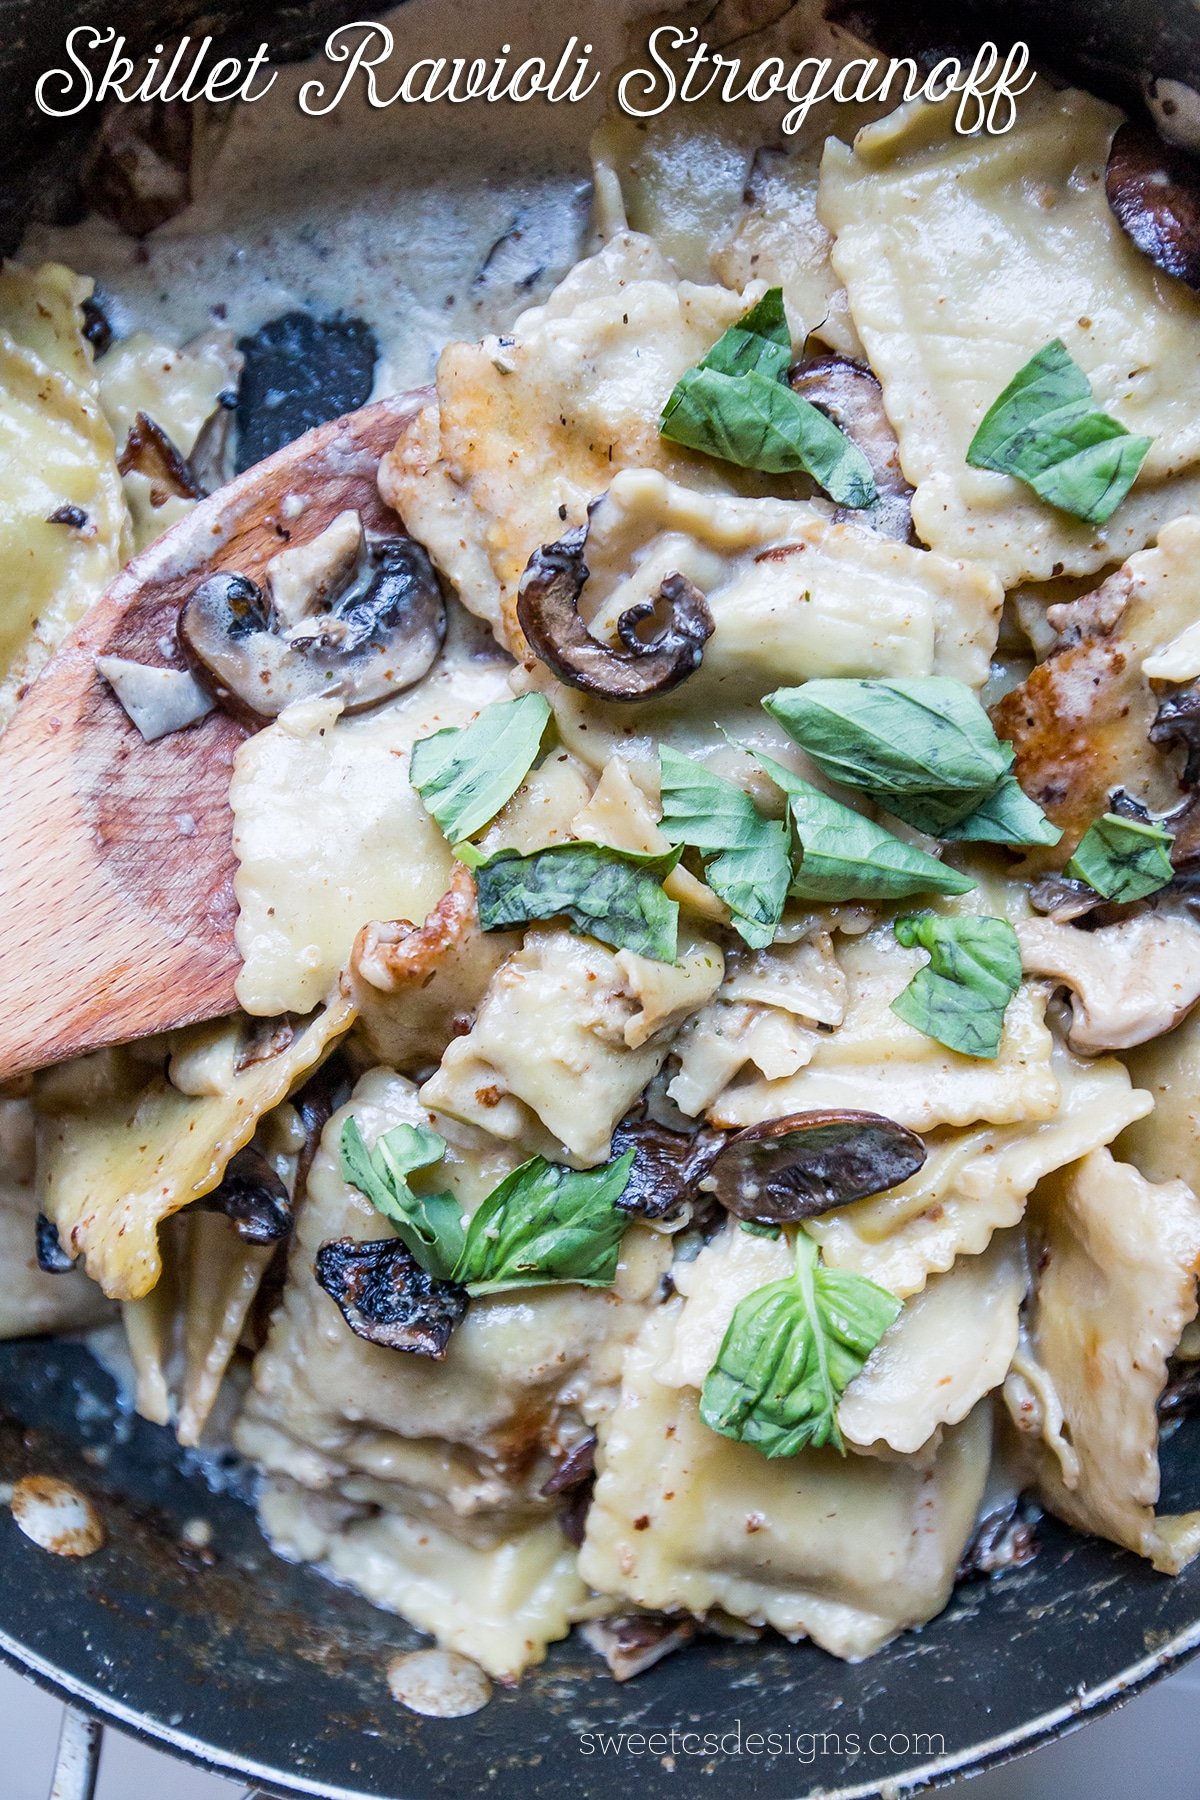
(77, 1761)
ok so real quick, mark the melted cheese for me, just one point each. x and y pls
(846, 1551)
(963, 256)
(329, 834)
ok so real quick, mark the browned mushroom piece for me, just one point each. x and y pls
(650, 661)
(849, 393)
(369, 625)
(150, 452)
(1177, 723)
(1154, 192)
(253, 1197)
(631, 1643)
(385, 1295)
(808, 1163)
(667, 1164)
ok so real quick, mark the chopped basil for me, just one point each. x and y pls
(791, 1350)
(759, 341)
(546, 1223)
(745, 856)
(961, 995)
(1123, 859)
(611, 894)
(844, 856)
(466, 774)
(430, 1225)
(922, 746)
(1046, 430)
(736, 405)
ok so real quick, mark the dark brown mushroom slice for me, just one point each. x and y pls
(631, 1643)
(254, 1198)
(806, 1164)
(1177, 725)
(576, 1467)
(849, 394)
(385, 1295)
(667, 1164)
(52, 1259)
(1154, 192)
(150, 452)
(650, 661)
(378, 636)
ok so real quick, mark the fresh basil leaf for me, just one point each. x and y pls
(467, 773)
(1045, 430)
(611, 894)
(844, 856)
(923, 746)
(759, 423)
(430, 1225)
(791, 1350)
(759, 340)
(546, 1223)
(961, 995)
(745, 856)
(1007, 816)
(925, 736)
(1123, 859)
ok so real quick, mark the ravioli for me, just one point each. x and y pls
(962, 257)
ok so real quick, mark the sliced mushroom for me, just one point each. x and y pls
(150, 452)
(156, 700)
(1005, 1538)
(647, 664)
(1129, 982)
(667, 1164)
(633, 1642)
(52, 1259)
(808, 1163)
(370, 625)
(849, 393)
(1154, 192)
(1177, 724)
(253, 1197)
(385, 1296)
(576, 1467)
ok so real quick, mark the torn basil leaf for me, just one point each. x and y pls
(467, 773)
(1007, 816)
(961, 995)
(547, 1223)
(791, 1350)
(1123, 859)
(759, 341)
(430, 1225)
(844, 856)
(736, 405)
(1046, 430)
(922, 746)
(745, 856)
(612, 895)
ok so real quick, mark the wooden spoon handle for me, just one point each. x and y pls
(116, 859)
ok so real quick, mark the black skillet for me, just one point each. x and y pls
(266, 1672)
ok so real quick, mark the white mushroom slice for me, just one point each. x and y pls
(1129, 982)
(952, 1344)
(1116, 1259)
(977, 1182)
(567, 1036)
(845, 1550)
(157, 700)
(306, 578)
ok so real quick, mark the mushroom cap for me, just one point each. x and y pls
(385, 1295)
(1154, 192)
(808, 1163)
(548, 612)
(377, 635)
(254, 1197)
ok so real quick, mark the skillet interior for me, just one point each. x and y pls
(264, 1669)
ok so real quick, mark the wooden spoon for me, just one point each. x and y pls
(116, 856)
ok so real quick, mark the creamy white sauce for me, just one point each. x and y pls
(388, 214)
